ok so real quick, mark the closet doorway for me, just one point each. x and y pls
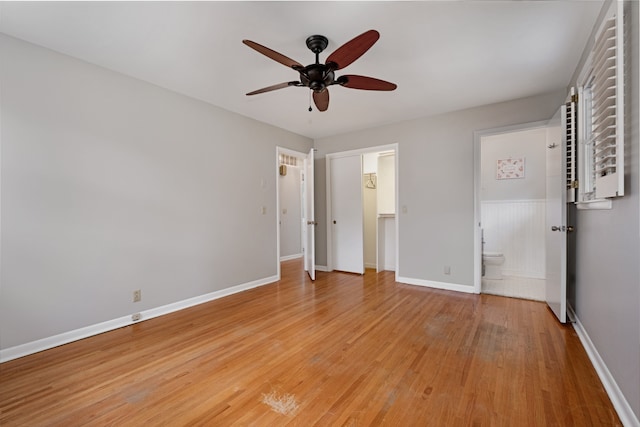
(361, 207)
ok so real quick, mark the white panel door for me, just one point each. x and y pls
(309, 218)
(556, 221)
(347, 214)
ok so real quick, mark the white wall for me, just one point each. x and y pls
(436, 184)
(290, 214)
(369, 207)
(516, 228)
(110, 184)
(387, 184)
(529, 144)
(370, 163)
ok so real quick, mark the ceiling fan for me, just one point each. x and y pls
(318, 77)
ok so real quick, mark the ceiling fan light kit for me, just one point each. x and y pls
(318, 77)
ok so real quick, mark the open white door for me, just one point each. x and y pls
(347, 220)
(556, 231)
(309, 218)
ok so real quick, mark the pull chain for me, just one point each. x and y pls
(310, 109)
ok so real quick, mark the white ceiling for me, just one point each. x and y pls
(444, 55)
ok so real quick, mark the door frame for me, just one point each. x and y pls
(360, 151)
(301, 157)
(309, 224)
(477, 176)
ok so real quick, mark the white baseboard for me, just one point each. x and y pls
(321, 268)
(63, 338)
(436, 285)
(622, 407)
(88, 331)
(370, 265)
(289, 257)
(525, 274)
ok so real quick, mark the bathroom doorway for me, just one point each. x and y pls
(511, 195)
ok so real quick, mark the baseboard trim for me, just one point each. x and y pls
(99, 328)
(63, 338)
(525, 274)
(618, 400)
(321, 268)
(436, 285)
(290, 257)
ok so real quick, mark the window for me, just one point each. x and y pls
(569, 126)
(600, 118)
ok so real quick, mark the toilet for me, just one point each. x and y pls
(492, 265)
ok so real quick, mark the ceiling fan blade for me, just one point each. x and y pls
(274, 87)
(284, 60)
(321, 99)
(352, 50)
(366, 83)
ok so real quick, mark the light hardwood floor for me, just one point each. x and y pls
(351, 350)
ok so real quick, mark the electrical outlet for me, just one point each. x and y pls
(447, 269)
(135, 317)
(137, 295)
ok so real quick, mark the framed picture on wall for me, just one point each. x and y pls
(510, 168)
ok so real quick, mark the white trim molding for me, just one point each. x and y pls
(599, 204)
(469, 289)
(321, 268)
(88, 331)
(290, 257)
(622, 407)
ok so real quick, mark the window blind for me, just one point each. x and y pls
(569, 128)
(607, 113)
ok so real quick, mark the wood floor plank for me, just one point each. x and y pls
(350, 350)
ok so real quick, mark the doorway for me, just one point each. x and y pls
(511, 210)
(295, 211)
(361, 207)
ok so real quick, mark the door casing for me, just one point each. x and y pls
(300, 156)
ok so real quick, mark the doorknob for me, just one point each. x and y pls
(568, 228)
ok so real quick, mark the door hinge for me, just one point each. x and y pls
(575, 184)
(574, 98)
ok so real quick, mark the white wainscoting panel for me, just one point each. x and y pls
(517, 229)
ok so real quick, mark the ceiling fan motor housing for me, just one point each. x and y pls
(317, 77)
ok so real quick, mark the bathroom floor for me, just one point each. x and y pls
(516, 287)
